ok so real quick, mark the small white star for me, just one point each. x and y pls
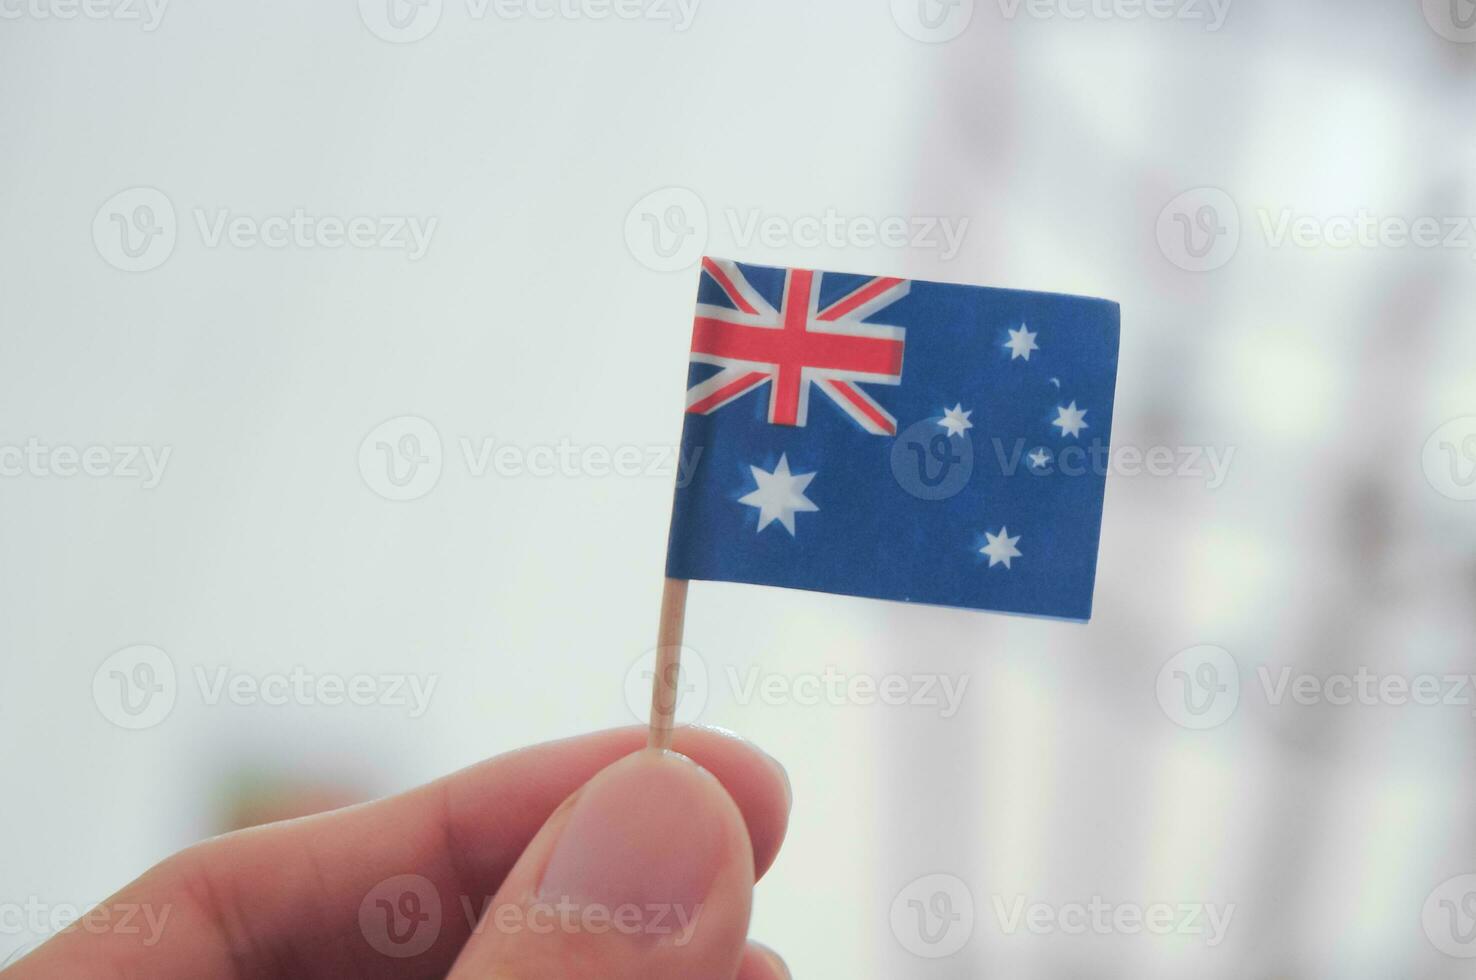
(1021, 343)
(1001, 547)
(780, 495)
(1040, 458)
(956, 420)
(1071, 420)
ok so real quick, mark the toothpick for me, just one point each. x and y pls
(668, 663)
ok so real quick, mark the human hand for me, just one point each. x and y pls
(587, 858)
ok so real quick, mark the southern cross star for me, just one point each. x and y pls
(956, 420)
(1001, 547)
(1071, 420)
(780, 495)
(1021, 343)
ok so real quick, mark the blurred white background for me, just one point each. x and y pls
(1235, 174)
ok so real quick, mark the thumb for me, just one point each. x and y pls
(645, 873)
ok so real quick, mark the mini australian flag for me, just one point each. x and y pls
(895, 439)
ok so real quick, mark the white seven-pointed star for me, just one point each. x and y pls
(1040, 458)
(956, 420)
(1001, 547)
(1021, 343)
(780, 495)
(1071, 420)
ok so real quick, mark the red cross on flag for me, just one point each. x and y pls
(797, 345)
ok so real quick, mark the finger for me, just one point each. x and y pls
(327, 896)
(646, 875)
(762, 963)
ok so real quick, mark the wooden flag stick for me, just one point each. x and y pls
(664, 683)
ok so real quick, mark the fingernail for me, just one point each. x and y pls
(783, 774)
(646, 832)
(774, 960)
(772, 760)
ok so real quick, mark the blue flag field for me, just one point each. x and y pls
(896, 439)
